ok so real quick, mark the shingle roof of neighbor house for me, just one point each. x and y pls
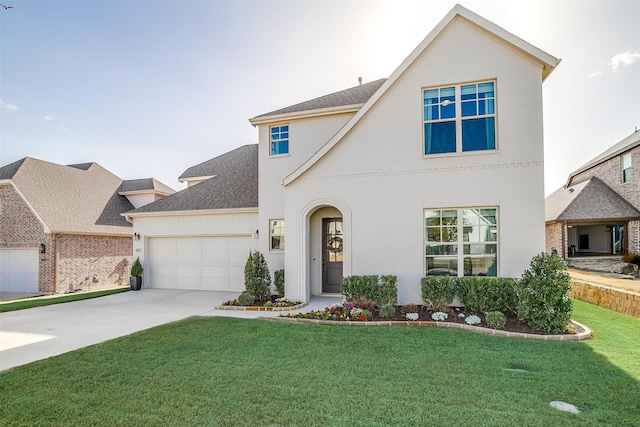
(144, 184)
(626, 144)
(588, 200)
(353, 96)
(71, 199)
(234, 185)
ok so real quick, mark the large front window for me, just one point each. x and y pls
(279, 139)
(459, 118)
(461, 242)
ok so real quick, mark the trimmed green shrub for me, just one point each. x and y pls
(354, 287)
(387, 311)
(388, 290)
(136, 268)
(542, 294)
(257, 279)
(382, 290)
(245, 298)
(496, 320)
(278, 281)
(487, 294)
(438, 291)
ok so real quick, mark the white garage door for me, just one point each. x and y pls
(19, 270)
(199, 263)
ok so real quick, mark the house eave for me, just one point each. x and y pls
(589, 166)
(143, 192)
(297, 115)
(196, 178)
(191, 212)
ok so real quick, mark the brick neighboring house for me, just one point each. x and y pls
(61, 228)
(597, 212)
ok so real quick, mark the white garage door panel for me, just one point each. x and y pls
(199, 263)
(19, 270)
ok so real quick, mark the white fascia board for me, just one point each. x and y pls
(488, 27)
(46, 228)
(142, 192)
(319, 112)
(191, 212)
(197, 178)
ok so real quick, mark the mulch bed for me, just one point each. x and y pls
(513, 323)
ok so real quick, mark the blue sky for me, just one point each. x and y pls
(148, 88)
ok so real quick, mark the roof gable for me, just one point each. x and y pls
(69, 199)
(234, 186)
(546, 62)
(590, 200)
(144, 185)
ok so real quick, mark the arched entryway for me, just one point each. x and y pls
(327, 244)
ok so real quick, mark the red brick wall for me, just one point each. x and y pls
(80, 257)
(93, 262)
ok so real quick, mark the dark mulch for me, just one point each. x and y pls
(513, 323)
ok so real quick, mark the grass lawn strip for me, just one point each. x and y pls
(238, 372)
(42, 301)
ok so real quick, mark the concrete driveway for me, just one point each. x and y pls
(39, 333)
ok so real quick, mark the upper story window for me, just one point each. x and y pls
(276, 234)
(279, 140)
(459, 118)
(626, 168)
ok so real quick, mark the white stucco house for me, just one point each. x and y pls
(436, 170)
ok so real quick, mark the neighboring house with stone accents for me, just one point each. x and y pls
(436, 170)
(61, 228)
(597, 212)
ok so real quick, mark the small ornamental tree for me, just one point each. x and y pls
(542, 294)
(257, 279)
(136, 268)
(278, 281)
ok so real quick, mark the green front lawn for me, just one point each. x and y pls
(233, 372)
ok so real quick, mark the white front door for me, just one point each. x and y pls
(19, 270)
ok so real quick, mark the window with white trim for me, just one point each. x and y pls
(276, 234)
(461, 242)
(626, 168)
(279, 140)
(459, 118)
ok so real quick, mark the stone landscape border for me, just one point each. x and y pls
(585, 334)
(257, 308)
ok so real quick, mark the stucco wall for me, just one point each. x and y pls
(378, 176)
(194, 224)
(306, 136)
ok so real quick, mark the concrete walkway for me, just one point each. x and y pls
(38, 333)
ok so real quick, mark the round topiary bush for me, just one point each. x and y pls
(542, 294)
(387, 311)
(246, 298)
(496, 320)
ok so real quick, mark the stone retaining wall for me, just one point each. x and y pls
(621, 300)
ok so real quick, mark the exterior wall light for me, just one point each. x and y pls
(136, 236)
(256, 235)
(43, 248)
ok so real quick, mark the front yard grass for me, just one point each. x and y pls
(42, 301)
(237, 372)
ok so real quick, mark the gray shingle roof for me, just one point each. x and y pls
(586, 201)
(71, 199)
(234, 186)
(145, 184)
(626, 144)
(352, 96)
